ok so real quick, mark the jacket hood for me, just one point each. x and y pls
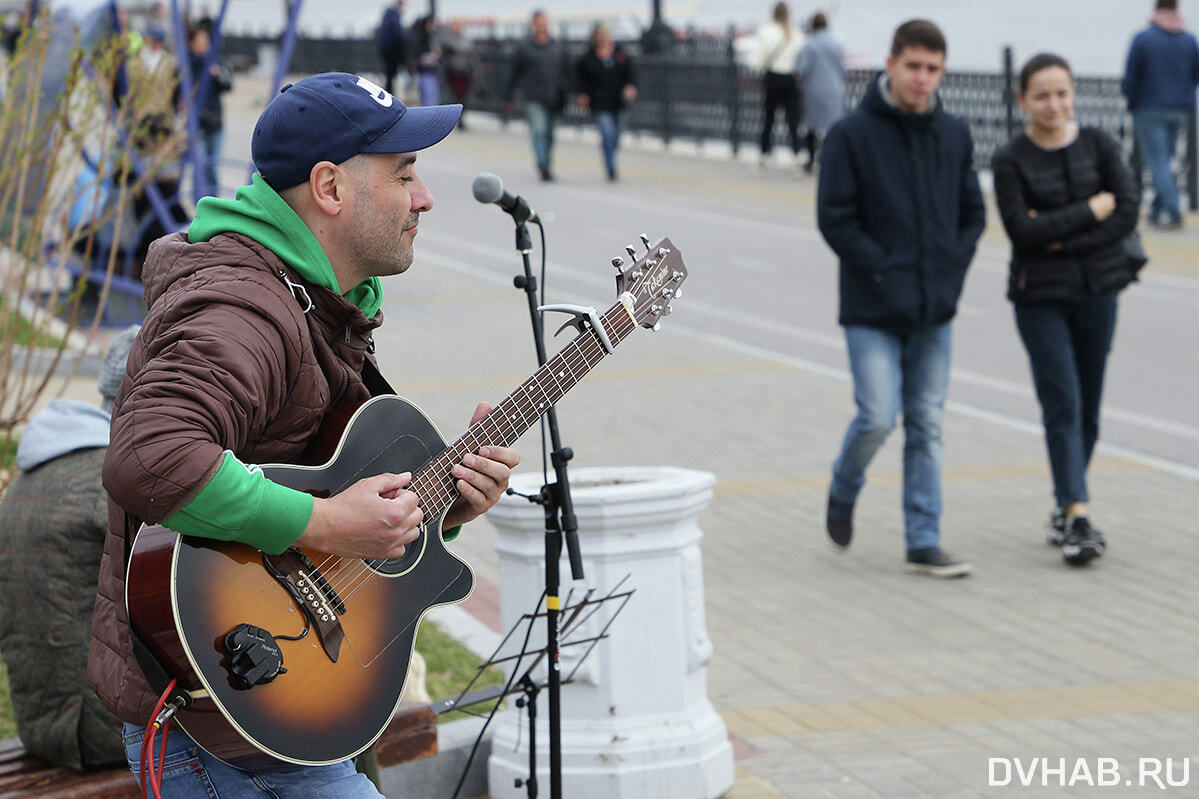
(258, 212)
(878, 100)
(63, 426)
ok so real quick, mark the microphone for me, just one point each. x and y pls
(488, 188)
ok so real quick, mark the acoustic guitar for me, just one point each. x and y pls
(301, 657)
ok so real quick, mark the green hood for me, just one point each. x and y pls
(259, 212)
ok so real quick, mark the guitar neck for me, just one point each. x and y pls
(520, 410)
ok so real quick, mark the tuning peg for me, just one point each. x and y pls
(645, 241)
(678, 293)
(631, 251)
(657, 326)
(618, 263)
(669, 310)
(662, 251)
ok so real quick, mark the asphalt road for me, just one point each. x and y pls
(762, 279)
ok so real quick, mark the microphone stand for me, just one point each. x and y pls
(560, 524)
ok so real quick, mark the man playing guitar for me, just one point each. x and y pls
(257, 338)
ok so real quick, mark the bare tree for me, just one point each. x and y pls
(75, 152)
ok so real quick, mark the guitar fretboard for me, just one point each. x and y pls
(520, 410)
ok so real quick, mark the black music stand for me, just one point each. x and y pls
(574, 617)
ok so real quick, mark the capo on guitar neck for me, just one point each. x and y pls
(581, 316)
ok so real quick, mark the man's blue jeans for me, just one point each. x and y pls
(192, 773)
(610, 124)
(541, 128)
(1157, 137)
(1067, 347)
(895, 372)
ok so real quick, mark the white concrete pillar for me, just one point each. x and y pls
(636, 721)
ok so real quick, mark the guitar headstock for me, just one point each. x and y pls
(652, 280)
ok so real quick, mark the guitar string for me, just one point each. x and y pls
(582, 350)
(438, 493)
(579, 354)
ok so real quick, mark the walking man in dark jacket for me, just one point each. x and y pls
(899, 203)
(1160, 77)
(392, 42)
(540, 72)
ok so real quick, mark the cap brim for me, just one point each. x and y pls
(420, 127)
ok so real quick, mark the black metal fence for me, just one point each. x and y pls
(699, 92)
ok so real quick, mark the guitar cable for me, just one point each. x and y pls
(160, 718)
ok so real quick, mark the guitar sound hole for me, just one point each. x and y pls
(393, 566)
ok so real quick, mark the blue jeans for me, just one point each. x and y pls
(192, 773)
(428, 87)
(541, 127)
(895, 372)
(1067, 347)
(610, 124)
(1157, 136)
(211, 142)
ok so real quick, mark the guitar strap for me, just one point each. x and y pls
(374, 380)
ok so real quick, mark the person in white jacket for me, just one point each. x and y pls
(779, 43)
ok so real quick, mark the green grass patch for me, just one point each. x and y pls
(451, 667)
(24, 334)
(8, 453)
(8, 724)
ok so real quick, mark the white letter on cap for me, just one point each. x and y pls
(377, 93)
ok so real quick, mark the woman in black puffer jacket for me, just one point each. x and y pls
(1069, 204)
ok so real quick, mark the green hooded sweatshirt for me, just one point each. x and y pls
(239, 503)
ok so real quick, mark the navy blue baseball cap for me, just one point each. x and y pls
(335, 116)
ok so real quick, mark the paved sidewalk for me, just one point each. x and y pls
(838, 674)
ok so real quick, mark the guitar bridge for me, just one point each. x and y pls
(312, 592)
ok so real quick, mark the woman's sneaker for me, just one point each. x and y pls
(1057, 528)
(1083, 543)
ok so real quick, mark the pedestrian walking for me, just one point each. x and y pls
(821, 72)
(461, 64)
(426, 46)
(391, 40)
(210, 79)
(1069, 205)
(540, 73)
(1160, 78)
(779, 43)
(606, 84)
(898, 201)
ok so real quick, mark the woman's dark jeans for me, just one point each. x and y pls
(1067, 345)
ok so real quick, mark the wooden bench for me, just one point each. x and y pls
(411, 735)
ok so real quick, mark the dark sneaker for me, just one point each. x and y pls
(933, 562)
(1083, 543)
(1057, 528)
(838, 523)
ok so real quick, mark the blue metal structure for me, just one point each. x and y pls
(102, 20)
